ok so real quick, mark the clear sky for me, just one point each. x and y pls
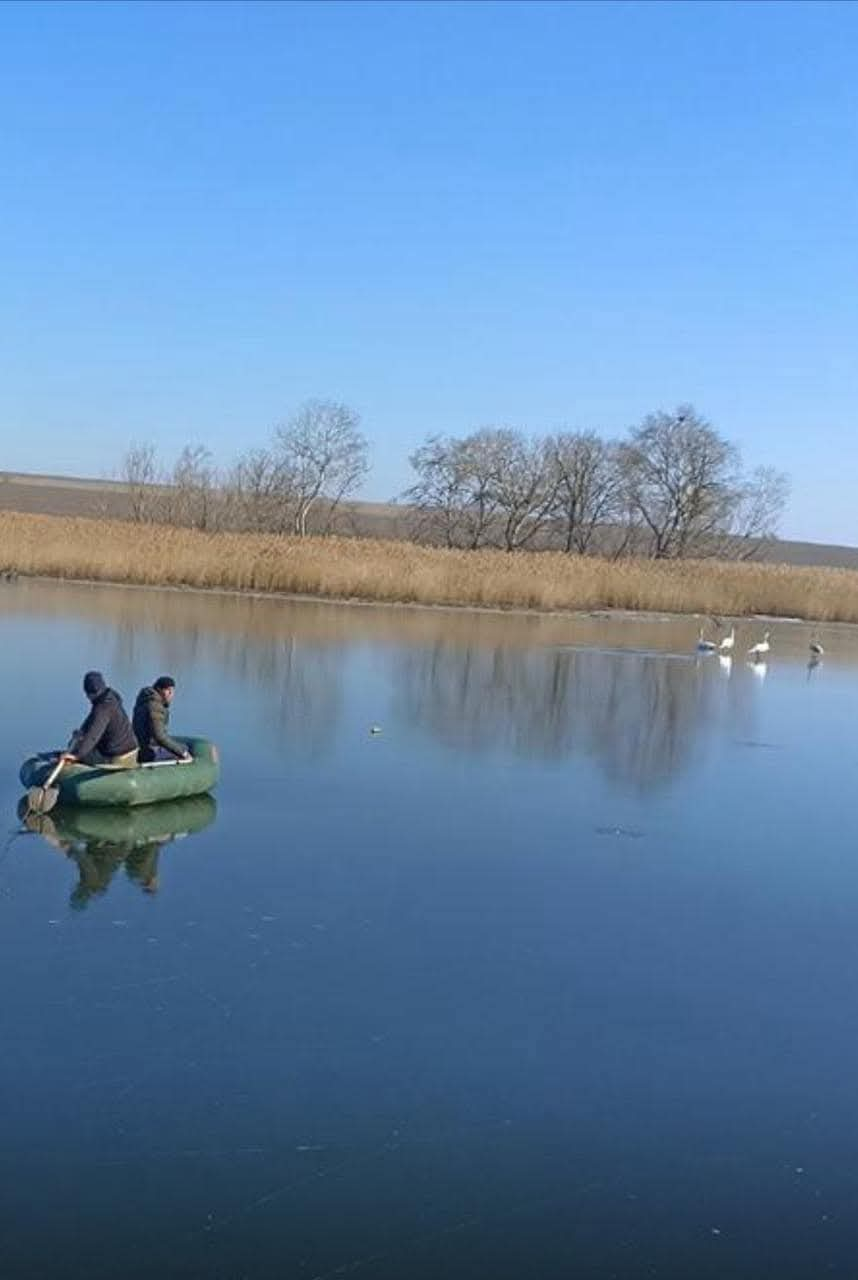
(448, 215)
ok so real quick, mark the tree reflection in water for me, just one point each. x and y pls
(642, 716)
(471, 679)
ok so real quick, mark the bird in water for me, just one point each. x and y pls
(728, 643)
(759, 650)
(704, 645)
(816, 649)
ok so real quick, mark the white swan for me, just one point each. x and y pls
(703, 645)
(728, 643)
(761, 648)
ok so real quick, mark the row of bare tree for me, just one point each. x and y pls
(672, 487)
(294, 485)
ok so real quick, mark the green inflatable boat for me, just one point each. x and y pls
(109, 787)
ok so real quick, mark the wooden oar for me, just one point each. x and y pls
(42, 799)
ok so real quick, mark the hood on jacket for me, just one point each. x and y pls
(148, 694)
(94, 685)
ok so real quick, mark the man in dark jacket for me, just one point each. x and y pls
(106, 736)
(152, 720)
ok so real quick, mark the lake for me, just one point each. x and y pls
(553, 976)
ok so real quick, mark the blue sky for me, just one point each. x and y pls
(447, 215)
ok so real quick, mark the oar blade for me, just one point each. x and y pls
(42, 799)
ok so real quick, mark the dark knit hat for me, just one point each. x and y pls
(94, 684)
(164, 682)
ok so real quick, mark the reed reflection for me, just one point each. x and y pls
(102, 841)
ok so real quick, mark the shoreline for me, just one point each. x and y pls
(416, 606)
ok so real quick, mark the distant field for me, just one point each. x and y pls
(402, 572)
(108, 499)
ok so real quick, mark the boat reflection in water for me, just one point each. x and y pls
(101, 841)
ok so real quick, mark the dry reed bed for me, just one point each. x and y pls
(400, 572)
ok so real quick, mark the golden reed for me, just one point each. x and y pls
(401, 572)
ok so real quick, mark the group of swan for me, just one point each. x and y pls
(726, 645)
(757, 652)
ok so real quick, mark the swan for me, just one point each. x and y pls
(761, 648)
(727, 644)
(703, 645)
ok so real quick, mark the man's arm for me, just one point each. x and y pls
(91, 730)
(160, 734)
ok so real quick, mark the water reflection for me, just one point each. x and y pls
(478, 680)
(642, 716)
(473, 976)
(101, 841)
(475, 679)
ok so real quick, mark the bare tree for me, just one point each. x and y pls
(441, 493)
(257, 493)
(680, 480)
(586, 485)
(475, 456)
(489, 487)
(140, 472)
(192, 497)
(522, 485)
(684, 485)
(323, 458)
(456, 493)
(760, 503)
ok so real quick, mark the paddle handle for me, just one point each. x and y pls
(54, 774)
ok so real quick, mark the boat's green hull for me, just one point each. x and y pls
(123, 788)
